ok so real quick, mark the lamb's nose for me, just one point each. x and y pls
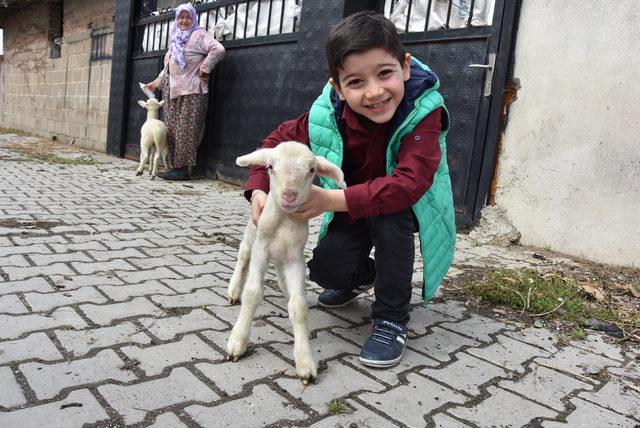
(289, 196)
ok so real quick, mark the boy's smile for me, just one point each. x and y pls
(372, 83)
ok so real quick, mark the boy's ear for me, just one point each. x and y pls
(406, 67)
(336, 88)
(327, 169)
(259, 157)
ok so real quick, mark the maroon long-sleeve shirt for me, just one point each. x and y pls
(370, 190)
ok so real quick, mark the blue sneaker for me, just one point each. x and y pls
(385, 346)
(338, 298)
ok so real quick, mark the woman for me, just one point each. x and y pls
(185, 86)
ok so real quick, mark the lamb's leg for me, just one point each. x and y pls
(156, 161)
(280, 275)
(251, 298)
(144, 156)
(240, 270)
(165, 157)
(298, 313)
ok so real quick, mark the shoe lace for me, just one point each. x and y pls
(385, 335)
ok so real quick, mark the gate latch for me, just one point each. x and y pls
(488, 78)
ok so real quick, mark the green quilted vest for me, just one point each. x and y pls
(434, 210)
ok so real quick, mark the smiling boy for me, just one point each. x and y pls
(381, 119)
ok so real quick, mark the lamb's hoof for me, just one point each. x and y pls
(232, 300)
(153, 177)
(138, 172)
(233, 358)
(309, 379)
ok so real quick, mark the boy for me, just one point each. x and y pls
(381, 119)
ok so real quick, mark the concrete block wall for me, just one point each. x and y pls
(66, 97)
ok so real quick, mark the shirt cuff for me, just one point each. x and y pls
(357, 200)
(256, 182)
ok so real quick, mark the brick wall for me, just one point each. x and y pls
(65, 97)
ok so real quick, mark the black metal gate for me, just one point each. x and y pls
(273, 74)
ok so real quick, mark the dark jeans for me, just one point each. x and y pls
(341, 261)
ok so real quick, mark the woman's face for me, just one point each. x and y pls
(184, 20)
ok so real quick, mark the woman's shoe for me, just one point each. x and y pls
(176, 174)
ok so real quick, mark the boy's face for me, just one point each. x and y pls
(372, 83)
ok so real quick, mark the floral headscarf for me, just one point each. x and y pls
(179, 38)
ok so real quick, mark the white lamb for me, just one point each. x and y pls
(292, 168)
(153, 138)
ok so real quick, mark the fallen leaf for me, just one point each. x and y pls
(593, 291)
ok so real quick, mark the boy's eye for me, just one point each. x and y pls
(385, 73)
(354, 83)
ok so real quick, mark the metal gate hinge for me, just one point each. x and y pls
(488, 77)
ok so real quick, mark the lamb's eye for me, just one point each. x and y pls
(312, 171)
(269, 168)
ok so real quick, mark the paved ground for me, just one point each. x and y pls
(112, 312)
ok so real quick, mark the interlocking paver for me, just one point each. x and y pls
(12, 395)
(13, 326)
(154, 359)
(198, 298)
(546, 386)
(167, 420)
(8, 249)
(336, 381)
(47, 380)
(168, 328)
(231, 376)
(11, 304)
(18, 273)
(121, 293)
(440, 344)
(616, 395)
(590, 415)
(145, 275)
(105, 314)
(420, 394)
(482, 371)
(509, 353)
(35, 346)
(15, 260)
(78, 408)
(47, 301)
(502, 408)
(31, 284)
(186, 285)
(263, 407)
(477, 327)
(80, 342)
(133, 401)
(48, 259)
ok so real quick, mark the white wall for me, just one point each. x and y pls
(569, 170)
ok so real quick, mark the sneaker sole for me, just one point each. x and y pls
(324, 305)
(381, 364)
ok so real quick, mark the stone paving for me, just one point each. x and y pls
(113, 313)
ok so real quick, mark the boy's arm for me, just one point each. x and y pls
(418, 160)
(291, 130)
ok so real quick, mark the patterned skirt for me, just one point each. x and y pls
(185, 118)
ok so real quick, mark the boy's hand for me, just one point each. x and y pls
(151, 86)
(258, 199)
(319, 201)
(203, 76)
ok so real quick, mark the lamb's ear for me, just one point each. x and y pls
(142, 104)
(327, 169)
(259, 157)
(161, 103)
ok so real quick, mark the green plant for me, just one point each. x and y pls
(337, 407)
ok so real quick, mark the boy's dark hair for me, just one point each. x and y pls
(358, 33)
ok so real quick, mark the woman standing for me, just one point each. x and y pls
(184, 80)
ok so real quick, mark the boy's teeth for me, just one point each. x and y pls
(380, 104)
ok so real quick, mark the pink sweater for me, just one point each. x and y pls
(201, 53)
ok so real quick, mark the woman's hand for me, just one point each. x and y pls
(203, 76)
(319, 201)
(258, 199)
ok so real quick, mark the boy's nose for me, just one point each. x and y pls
(373, 91)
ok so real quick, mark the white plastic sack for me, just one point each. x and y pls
(482, 14)
(225, 28)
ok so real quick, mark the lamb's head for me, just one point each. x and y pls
(151, 104)
(292, 167)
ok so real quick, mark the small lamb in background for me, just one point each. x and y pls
(292, 167)
(153, 135)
